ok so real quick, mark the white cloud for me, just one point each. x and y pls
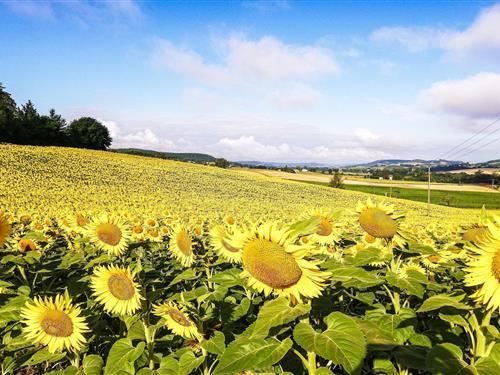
(415, 39)
(244, 61)
(481, 38)
(248, 148)
(145, 139)
(476, 96)
(294, 96)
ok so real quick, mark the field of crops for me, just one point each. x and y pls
(117, 264)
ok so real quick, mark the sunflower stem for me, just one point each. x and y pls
(311, 366)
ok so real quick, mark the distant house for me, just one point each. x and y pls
(304, 170)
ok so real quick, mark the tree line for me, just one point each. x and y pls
(24, 125)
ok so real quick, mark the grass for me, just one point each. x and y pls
(459, 199)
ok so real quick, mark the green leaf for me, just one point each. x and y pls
(253, 354)
(92, 365)
(443, 300)
(304, 227)
(342, 342)
(227, 278)
(189, 274)
(216, 344)
(11, 310)
(354, 277)
(122, 356)
(365, 256)
(241, 309)
(446, 359)
(275, 313)
(410, 286)
(487, 366)
(417, 248)
(44, 355)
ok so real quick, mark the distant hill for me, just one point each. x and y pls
(488, 164)
(179, 156)
(410, 163)
(272, 164)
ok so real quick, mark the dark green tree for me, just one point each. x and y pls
(87, 132)
(8, 109)
(337, 180)
(221, 163)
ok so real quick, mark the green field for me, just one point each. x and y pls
(458, 199)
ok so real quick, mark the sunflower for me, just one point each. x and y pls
(326, 232)
(272, 263)
(227, 244)
(433, 261)
(109, 233)
(484, 268)
(54, 322)
(24, 243)
(116, 290)
(177, 320)
(5, 229)
(78, 222)
(405, 268)
(475, 234)
(380, 221)
(181, 245)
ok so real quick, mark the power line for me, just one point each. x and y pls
(482, 146)
(470, 138)
(465, 149)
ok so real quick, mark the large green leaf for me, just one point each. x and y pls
(253, 354)
(43, 355)
(446, 359)
(275, 313)
(186, 364)
(11, 310)
(342, 342)
(443, 300)
(354, 277)
(92, 365)
(216, 344)
(408, 284)
(122, 356)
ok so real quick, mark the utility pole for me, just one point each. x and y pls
(429, 191)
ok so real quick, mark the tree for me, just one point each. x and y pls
(221, 163)
(337, 181)
(87, 132)
(8, 109)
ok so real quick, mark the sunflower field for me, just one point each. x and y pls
(114, 264)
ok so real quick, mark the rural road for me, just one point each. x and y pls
(350, 181)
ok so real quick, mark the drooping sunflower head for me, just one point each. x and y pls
(483, 268)
(326, 231)
(5, 229)
(475, 233)
(109, 233)
(227, 243)
(177, 320)
(181, 245)
(273, 263)
(54, 322)
(116, 289)
(378, 220)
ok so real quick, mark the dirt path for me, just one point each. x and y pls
(350, 181)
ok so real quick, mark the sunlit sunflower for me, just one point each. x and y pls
(109, 233)
(326, 232)
(273, 263)
(227, 243)
(177, 320)
(5, 229)
(433, 261)
(24, 243)
(116, 290)
(380, 221)
(405, 268)
(79, 222)
(484, 268)
(54, 322)
(181, 245)
(475, 233)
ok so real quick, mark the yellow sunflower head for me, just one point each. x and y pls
(326, 231)
(483, 268)
(177, 320)
(109, 233)
(55, 323)
(181, 245)
(116, 289)
(273, 263)
(475, 234)
(5, 229)
(227, 243)
(378, 220)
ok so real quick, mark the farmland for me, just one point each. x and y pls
(122, 264)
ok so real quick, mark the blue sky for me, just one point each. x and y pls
(330, 82)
